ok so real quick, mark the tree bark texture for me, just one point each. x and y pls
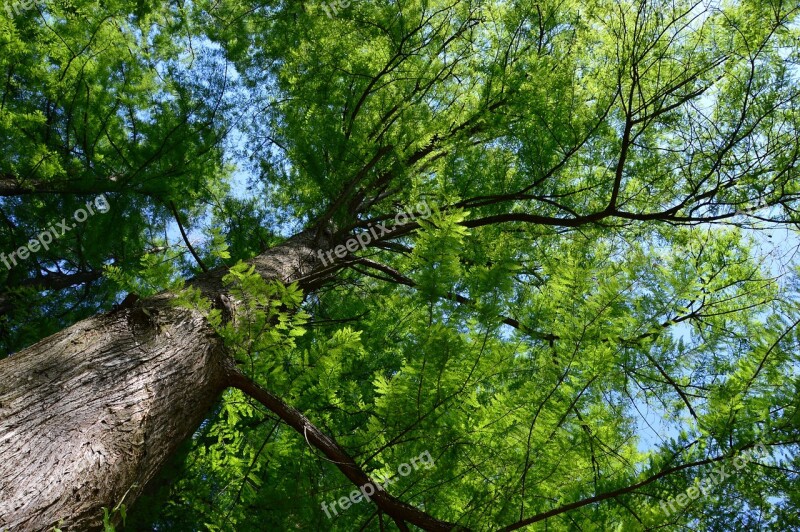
(89, 415)
(98, 408)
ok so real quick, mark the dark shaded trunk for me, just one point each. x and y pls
(96, 409)
(89, 415)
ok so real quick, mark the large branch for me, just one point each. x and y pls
(10, 186)
(51, 281)
(392, 506)
(59, 281)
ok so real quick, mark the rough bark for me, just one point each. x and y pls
(98, 408)
(89, 415)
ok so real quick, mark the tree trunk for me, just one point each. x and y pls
(98, 408)
(88, 416)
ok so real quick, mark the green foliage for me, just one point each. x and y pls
(437, 253)
(154, 275)
(567, 347)
(602, 309)
(109, 516)
(235, 451)
(98, 98)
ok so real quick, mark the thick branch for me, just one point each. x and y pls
(392, 506)
(52, 281)
(10, 186)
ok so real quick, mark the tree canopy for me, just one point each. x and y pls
(579, 289)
